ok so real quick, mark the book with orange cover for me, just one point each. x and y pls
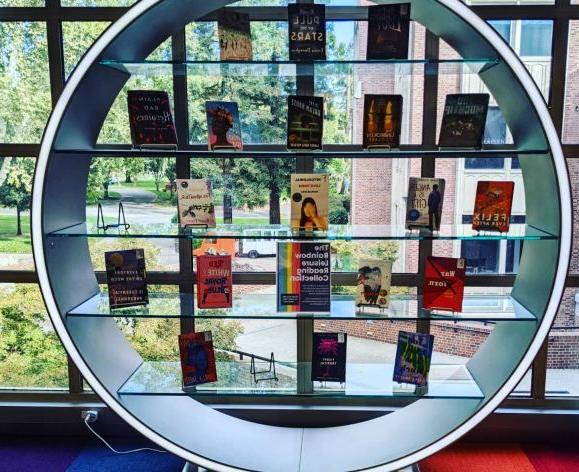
(492, 206)
(443, 284)
(197, 358)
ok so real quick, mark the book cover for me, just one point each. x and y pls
(373, 283)
(223, 126)
(424, 203)
(463, 121)
(197, 358)
(382, 121)
(305, 123)
(234, 31)
(195, 203)
(307, 32)
(443, 284)
(126, 278)
(492, 206)
(214, 281)
(388, 31)
(151, 119)
(329, 357)
(309, 202)
(413, 356)
(303, 277)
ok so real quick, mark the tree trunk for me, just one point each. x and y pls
(18, 222)
(157, 182)
(227, 192)
(274, 209)
(106, 187)
(128, 179)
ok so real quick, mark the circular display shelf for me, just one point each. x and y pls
(214, 440)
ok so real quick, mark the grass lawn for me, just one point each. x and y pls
(246, 220)
(9, 242)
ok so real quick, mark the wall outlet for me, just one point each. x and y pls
(90, 416)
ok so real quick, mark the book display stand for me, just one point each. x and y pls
(148, 395)
(121, 220)
(257, 374)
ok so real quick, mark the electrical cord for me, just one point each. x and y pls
(113, 449)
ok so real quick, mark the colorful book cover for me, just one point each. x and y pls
(329, 357)
(424, 203)
(492, 206)
(305, 123)
(413, 356)
(388, 31)
(309, 202)
(303, 277)
(234, 36)
(151, 119)
(197, 358)
(382, 121)
(373, 284)
(463, 121)
(214, 281)
(443, 284)
(195, 203)
(126, 278)
(307, 32)
(223, 126)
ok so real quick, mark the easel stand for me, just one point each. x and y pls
(379, 147)
(121, 220)
(270, 370)
(169, 147)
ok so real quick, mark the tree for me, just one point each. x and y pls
(16, 191)
(132, 167)
(156, 167)
(102, 173)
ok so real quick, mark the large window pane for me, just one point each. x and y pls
(31, 355)
(77, 37)
(24, 82)
(571, 104)
(15, 196)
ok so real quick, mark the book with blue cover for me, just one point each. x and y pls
(223, 126)
(413, 355)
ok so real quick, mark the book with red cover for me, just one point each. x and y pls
(492, 206)
(151, 119)
(214, 281)
(197, 358)
(443, 284)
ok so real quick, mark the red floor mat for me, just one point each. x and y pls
(553, 458)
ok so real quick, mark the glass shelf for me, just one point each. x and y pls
(335, 151)
(518, 232)
(485, 308)
(362, 380)
(285, 69)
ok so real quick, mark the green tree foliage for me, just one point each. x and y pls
(16, 190)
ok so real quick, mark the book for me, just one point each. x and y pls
(234, 31)
(443, 284)
(197, 358)
(214, 281)
(373, 283)
(424, 203)
(126, 278)
(303, 277)
(413, 356)
(388, 31)
(329, 357)
(463, 120)
(195, 203)
(151, 119)
(382, 121)
(307, 32)
(492, 206)
(223, 126)
(305, 123)
(309, 202)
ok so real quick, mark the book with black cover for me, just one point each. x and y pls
(126, 278)
(388, 31)
(305, 122)
(413, 355)
(329, 357)
(223, 126)
(197, 358)
(307, 32)
(234, 36)
(382, 121)
(303, 277)
(151, 119)
(463, 121)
